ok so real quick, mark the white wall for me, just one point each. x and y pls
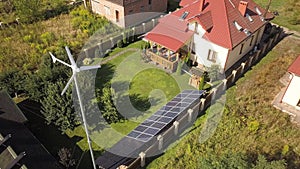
(202, 47)
(292, 94)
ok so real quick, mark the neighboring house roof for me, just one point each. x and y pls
(217, 17)
(172, 33)
(21, 140)
(295, 67)
(8, 105)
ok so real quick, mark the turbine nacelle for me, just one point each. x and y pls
(74, 67)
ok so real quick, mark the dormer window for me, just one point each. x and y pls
(238, 27)
(247, 32)
(258, 11)
(184, 15)
(249, 17)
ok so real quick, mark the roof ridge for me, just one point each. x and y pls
(227, 21)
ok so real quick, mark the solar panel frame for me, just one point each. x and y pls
(168, 113)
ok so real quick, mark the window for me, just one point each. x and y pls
(251, 41)
(212, 56)
(142, 8)
(237, 26)
(249, 17)
(107, 10)
(184, 15)
(241, 50)
(117, 16)
(130, 11)
(149, 2)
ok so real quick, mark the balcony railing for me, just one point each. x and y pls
(163, 58)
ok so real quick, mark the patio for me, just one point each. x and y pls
(163, 57)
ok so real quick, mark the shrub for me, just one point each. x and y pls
(253, 125)
(120, 44)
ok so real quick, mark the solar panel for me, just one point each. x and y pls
(164, 116)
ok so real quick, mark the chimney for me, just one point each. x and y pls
(202, 5)
(243, 7)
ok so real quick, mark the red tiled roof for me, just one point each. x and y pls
(218, 17)
(295, 67)
(185, 2)
(171, 33)
(205, 20)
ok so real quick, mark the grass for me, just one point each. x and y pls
(285, 11)
(247, 103)
(135, 83)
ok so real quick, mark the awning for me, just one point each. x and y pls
(168, 37)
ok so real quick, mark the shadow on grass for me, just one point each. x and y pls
(51, 138)
(131, 105)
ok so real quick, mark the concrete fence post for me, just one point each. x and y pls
(190, 112)
(202, 104)
(86, 53)
(176, 124)
(233, 73)
(143, 159)
(225, 83)
(144, 27)
(100, 49)
(153, 23)
(243, 66)
(160, 140)
(112, 42)
(214, 92)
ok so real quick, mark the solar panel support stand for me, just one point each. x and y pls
(160, 140)
(190, 112)
(202, 104)
(176, 124)
(143, 159)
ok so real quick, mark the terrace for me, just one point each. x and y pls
(163, 57)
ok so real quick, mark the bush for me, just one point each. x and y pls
(120, 44)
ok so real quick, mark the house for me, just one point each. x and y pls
(208, 32)
(19, 148)
(292, 93)
(118, 11)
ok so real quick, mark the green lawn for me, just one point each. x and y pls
(140, 89)
(286, 9)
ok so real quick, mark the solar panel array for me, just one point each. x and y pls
(159, 120)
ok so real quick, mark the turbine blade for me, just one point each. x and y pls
(53, 57)
(89, 67)
(70, 56)
(68, 84)
(56, 59)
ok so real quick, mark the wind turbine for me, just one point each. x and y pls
(75, 70)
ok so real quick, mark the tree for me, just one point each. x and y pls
(108, 110)
(262, 163)
(213, 72)
(65, 157)
(12, 82)
(59, 109)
